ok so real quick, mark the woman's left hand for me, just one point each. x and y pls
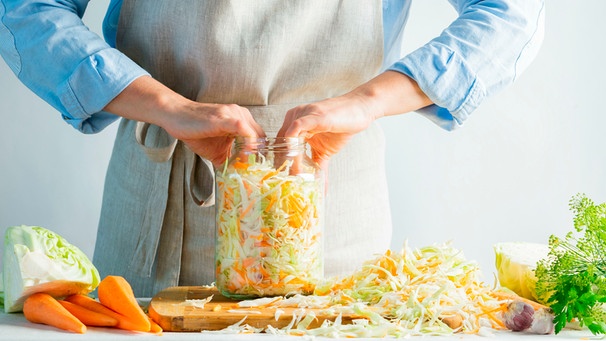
(329, 124)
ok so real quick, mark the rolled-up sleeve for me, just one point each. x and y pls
(481, 52)
(48, 47)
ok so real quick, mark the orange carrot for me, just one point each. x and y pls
(155, 327)
(116, 294)
(240, 165)
(91, 304)
(247, 209)
(501, 295)
(269, 175)
(43, 308)
(89, 317)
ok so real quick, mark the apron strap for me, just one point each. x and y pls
(159, 146)
(201, 181)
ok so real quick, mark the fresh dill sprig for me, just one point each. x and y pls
(572, 279)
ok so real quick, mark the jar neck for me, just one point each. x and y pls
(269, 144)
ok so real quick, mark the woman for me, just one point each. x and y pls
(188, 76)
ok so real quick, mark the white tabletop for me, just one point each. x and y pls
(15, 327)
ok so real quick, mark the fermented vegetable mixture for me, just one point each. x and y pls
(432, 290)
(269, 226)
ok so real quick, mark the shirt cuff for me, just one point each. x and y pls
(95, 82)
(447, 80)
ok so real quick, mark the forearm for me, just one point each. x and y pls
(391, 93)
(147, 100)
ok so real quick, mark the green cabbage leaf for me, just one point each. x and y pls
(36, 259)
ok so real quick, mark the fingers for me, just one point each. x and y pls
(311, 122)
(238, 121)
(256, 129)
(320, 158)
(288, 119)
(209, 130)
(302, 121)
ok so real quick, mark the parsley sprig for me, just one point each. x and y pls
(572, 279)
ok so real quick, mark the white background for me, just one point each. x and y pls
(507, 175)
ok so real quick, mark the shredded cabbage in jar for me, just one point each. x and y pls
(269, 225)
(399, 294)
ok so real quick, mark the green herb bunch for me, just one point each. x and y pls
(572, 279)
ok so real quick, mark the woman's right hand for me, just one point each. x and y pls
(207, 129)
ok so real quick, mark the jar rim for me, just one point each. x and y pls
(270, 142)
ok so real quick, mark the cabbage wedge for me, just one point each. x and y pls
(38, 260)
(516, 263)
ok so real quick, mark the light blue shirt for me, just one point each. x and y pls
(53, 53)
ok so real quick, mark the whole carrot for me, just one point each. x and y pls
(116, 293)
(89, 317)
(155, 327)
(91, 304)
(501, 295)
(45, 309)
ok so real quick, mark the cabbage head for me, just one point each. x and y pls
(515, 263)
(38, 260)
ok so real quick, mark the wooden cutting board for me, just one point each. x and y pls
(171, 311)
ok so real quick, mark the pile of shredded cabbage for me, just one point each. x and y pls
(269, 225)
(397, 294)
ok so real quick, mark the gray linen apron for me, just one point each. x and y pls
(157, 222)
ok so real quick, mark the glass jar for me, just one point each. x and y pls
(269, 219)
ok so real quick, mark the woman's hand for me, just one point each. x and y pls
(329, 124)
(207, 129)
